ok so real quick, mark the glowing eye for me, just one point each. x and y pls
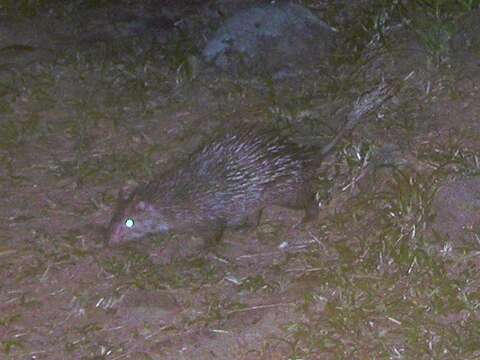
(129, 223)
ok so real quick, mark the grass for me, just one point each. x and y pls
(384, 310)
(433, 22)
(389, 293)
(451, 157)
(376, 283)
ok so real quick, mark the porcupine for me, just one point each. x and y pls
(229, 181)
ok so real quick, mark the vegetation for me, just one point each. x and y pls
(372, 279)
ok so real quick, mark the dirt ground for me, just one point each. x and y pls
(98, 94)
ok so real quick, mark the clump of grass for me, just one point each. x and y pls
(137, 270)
(451, 157)
(24, 8)
(434, 33)
(432, 22)
(15, 132)
(181, 56)
(469, 5)
(9, 345)
(388, 292)
(257, 283)
(406, 208)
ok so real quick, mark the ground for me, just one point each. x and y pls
(96, 95)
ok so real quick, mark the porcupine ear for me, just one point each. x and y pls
(126, 191)
(141, 205)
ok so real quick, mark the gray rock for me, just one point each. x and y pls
(457, 205)
(269, 39)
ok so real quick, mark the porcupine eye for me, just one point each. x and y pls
(129, 223)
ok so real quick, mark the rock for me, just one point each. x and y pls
(269, 39)
(457, 205)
